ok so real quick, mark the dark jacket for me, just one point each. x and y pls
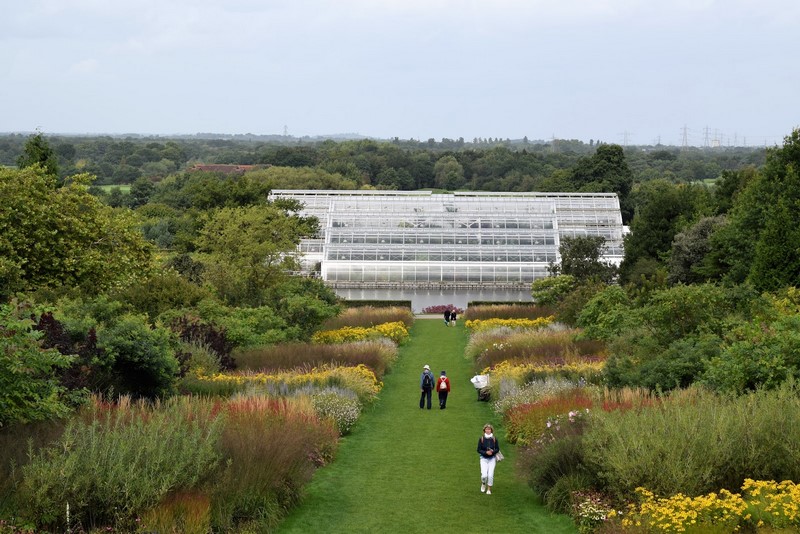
(422, 377)
(486, 444)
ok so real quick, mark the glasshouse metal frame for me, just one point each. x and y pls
(462, 239)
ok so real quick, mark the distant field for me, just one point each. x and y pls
(125, 188)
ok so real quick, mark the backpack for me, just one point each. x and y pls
(443, 384)
(426, 381)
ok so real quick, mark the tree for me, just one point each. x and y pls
(250, 250)
(605, 170)
(551, 290)
(662, 210)
(449, 174)
(760, 244)
(689, 250)
(581, 258)
(37, 151)
(51, 237)
(141, 191)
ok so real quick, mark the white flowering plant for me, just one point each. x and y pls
(342, 406)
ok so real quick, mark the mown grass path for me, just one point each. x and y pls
(408, 470)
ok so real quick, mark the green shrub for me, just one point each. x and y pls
(557, 454)
(29, 388)
(605, 314)
(551, 290)
(162, 291)
(760, 357)
(116, 461)
(139, 358)
(640, 361)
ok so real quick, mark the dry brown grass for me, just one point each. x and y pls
(376, 355)
(368, 316)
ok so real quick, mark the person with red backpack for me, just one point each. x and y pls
(426, 384)
(443, 387)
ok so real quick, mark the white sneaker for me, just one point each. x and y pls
(483, 488)
(488, 492)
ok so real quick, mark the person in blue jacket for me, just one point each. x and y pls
(426, 384)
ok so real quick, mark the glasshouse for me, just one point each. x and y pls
(423, 239)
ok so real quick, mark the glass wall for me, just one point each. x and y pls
(465, 238)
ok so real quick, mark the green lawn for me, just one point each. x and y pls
(409, 470)
(125, 188)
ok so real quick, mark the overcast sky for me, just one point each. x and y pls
(620, 71)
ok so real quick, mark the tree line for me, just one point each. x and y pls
(483, 164)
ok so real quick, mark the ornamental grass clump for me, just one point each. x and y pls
(525, 423)
(552, 351)
(531, 392)
(184, 512)
(360, 379)
(270, 449)
(368, 316)
(117, 460)
(377, 354)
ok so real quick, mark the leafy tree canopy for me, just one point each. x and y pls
(51, 237)
(37, 151)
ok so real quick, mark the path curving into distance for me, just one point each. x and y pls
(408, 470)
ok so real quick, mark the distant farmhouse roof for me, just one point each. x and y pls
(225, 169)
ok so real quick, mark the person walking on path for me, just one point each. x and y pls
(426, 383)
(443, 387)
(488, 447)
(447, 317)
(453, 316)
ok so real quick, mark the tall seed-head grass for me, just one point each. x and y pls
(533, 346)
(368, 316)
(525, 423)
(360, 379)
(271, 448)
(179, 513)
(530, 392)
(377, 354)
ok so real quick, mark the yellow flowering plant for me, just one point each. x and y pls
(396, 331)
(762, 505)
(359, 379)
(478, 325)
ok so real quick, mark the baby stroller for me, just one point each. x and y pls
(481, 383)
